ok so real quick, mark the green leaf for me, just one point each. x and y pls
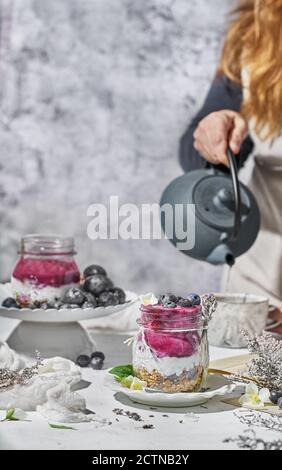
(10, 415)
(60, 426)
(123, 371)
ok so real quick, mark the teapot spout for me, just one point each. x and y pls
(221, 255)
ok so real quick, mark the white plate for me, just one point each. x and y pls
(53, 315)
(217, 385)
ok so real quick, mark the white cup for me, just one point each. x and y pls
(236, 313)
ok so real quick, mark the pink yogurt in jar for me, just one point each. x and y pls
(171, 352)
(45, 270)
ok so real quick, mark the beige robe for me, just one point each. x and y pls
(259, 271)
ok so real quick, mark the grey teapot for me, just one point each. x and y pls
(226, 215)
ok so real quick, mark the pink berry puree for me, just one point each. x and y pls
(165, 330)
(46, 272)
(43, 280)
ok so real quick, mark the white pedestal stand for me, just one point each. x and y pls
(67, 340)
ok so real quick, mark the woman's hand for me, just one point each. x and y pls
(216, 132)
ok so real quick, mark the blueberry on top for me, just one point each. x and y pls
(184, 302)
(94, 269)
(164, 298)
(195, 299)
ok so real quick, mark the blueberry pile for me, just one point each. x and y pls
(96, 290)
(96, 360)
(173, 301)
(276, 398)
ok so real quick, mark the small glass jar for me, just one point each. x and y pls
(45, 270)
(171, 351)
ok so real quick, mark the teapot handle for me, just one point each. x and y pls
(236, 192)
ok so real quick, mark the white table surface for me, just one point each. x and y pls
(216, 419)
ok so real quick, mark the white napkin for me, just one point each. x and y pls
(49, 391)
(9, 359)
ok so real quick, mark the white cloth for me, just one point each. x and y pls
(9, 359)
(49, 391)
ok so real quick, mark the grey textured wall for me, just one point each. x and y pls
(94, 97)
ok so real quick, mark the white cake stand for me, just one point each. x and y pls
(55, 332)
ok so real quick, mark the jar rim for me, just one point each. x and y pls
(171, 319)
(47, 245)
(155, 309)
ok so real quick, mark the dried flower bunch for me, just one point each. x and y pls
(9, 379)
(265, 366)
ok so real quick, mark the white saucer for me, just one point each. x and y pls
(216, 384)
(53, 315)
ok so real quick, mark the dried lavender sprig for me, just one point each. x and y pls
(256, 418)
(249, 441)
(209, 304)
(9, 379)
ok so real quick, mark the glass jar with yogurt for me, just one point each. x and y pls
(45, 269)
(171, 350)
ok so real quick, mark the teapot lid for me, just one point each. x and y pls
(214, 201)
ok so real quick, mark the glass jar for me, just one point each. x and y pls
(45, 270)
(170, 351)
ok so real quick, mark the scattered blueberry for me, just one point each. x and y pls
(96, 363)
(98, 354)
(184, 302)
(120, 294)
(97, 284)
(74, 295)
(9, 303)
(195, 299)
(83, 360)
(108, 298)
(280, 403)
(92, 270)
(275, 396)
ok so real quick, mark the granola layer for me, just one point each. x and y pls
(173, 384)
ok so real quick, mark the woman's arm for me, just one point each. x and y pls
(223, 94)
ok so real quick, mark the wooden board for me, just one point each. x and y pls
(233, 365)
(230, 364)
